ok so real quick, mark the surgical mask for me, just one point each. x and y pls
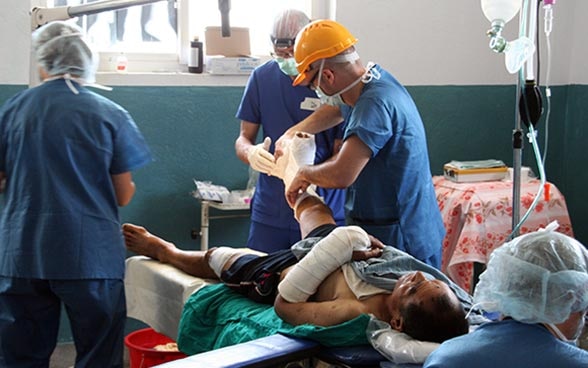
(563, 337)
(336, 99)
(287, 66)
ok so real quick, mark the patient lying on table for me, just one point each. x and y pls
(322, 279)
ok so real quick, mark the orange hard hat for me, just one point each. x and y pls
(318, 40)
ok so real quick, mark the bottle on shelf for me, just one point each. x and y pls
(121, 63)
(195, 64)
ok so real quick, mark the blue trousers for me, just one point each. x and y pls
(269, 239)
(30, 310)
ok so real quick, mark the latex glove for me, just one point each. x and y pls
(260, 159)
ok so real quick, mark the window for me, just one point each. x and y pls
(137, 28)
(156, 36)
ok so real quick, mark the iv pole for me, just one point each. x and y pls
(517, 139)
(529, 105)
(528, 96)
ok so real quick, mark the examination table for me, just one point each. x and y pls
(157, 293)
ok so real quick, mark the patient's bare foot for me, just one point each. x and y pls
(141, 241)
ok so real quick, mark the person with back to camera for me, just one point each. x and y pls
(66, 155)
(538, 282)
(272, 103)
(383, 161)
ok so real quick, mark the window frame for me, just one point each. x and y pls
(165, 68)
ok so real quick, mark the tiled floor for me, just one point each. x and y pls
(65, 354)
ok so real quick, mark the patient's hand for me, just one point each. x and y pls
(375, 242)
(375, 250)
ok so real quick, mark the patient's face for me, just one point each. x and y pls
(415, 288)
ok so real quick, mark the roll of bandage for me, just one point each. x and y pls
(298, 151)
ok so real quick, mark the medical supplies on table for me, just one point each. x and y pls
(207, 191)
(229, 55)
(473, 171)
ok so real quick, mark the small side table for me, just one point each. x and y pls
(205, 216)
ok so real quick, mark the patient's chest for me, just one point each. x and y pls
(334, 287)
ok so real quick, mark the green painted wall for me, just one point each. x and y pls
(191, 131)
(571, 162)
(476, 122)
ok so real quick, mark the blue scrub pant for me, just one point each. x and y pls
(269, 239)
(29, 321)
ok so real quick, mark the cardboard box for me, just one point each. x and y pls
(238, 44)
(231, 65)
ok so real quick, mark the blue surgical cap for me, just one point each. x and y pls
(540, 277)
(59, 48)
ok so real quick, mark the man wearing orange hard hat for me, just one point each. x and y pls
(383, 162)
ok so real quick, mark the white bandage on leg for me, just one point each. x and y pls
(219, 257)
(298, 151)
(326, 256)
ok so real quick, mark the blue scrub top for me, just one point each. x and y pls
(271, 101)
(507, 343)
(59, 217)
(394, 192)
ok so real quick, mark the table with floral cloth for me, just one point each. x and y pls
(478, 219)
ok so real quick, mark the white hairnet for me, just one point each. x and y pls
(59, 48)
(288, 22)
(539, 277)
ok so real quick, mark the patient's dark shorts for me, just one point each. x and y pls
(257, 277)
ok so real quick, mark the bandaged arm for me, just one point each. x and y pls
(325, 257)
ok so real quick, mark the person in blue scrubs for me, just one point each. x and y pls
(66, 156)
(271, 104)
(538, 283)
(384, 160)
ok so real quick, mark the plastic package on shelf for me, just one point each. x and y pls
(222, 197)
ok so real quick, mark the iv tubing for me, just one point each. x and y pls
(548, 19)
(532, 135)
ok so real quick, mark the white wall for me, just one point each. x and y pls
(577, 36)
(15, 36)
(422, 42)
(444, 42)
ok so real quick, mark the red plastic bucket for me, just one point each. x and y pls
(141, 345)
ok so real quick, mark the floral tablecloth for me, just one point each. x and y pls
(478, 219)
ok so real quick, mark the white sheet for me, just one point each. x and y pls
(156, 293)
